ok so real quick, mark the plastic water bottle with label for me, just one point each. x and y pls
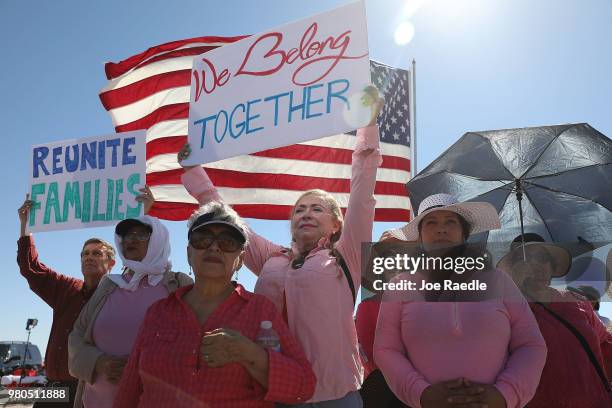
(267, 336)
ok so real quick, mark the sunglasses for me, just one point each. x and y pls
(136, 236)
(226, 241)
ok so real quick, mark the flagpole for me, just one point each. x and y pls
(413, 143)
(413, 131)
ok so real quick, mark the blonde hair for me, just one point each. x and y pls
(332, 205)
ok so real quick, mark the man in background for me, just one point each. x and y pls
(593, 296)
(66, 296)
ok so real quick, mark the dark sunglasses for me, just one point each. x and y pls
(136, 236)
(225, 240)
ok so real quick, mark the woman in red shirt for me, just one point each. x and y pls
(198, 346)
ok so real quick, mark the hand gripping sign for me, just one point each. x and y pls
(299, 82)
(89, 182)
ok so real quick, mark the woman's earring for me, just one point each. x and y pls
(190, 270)
(236, 275)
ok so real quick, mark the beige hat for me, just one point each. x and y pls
(481, 216)
(561, 256)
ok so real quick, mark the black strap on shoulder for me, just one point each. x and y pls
(585, 346)
(347, 273)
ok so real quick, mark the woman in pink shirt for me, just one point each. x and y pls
(438, 351)
(306, 282)
(104, 333)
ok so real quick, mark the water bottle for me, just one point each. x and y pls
(267, 336)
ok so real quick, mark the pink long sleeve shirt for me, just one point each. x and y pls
(316, 298)
(496, 341)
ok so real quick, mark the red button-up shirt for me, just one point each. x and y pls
(165, 368)
(65, 295)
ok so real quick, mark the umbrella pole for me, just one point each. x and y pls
(519, 198)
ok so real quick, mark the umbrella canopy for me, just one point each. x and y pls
(557, 179)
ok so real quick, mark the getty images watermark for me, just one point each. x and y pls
(463, 271)
(404, 263)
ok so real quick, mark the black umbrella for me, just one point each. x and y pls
(552, 180)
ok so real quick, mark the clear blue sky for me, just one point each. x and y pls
(481, 64)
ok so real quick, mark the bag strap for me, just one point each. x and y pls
(584, 344)
(340, 261)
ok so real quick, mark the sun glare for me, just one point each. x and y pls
(411, 7)
(404, 33)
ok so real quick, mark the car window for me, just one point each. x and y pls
(4, 351)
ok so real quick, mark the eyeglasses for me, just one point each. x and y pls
(136, 236)
(95, 253)
(225, 240)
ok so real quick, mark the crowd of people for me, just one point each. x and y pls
(151, 337)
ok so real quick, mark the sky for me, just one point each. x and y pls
(481, 64)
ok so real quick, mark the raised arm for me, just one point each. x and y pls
(199, 185)
(50, 286)
(359, 219)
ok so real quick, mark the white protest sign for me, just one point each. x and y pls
(299, 82)
(88, 182)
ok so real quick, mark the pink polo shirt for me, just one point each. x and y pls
(495, 341)
(319, 303)
(115, 331)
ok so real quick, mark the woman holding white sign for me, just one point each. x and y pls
(315, 281)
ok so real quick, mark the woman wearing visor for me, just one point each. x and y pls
(197, 347)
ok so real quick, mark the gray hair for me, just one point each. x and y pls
(222, 212)
(108, 248)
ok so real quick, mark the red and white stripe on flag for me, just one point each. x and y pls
(150, 91)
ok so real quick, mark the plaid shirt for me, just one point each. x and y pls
(165, 368)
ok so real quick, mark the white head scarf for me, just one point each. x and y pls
(155, 262)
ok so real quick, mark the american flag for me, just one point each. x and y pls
(150, 91)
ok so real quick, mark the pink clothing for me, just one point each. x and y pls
(319, 303)
(115, 331)
(496, 341)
